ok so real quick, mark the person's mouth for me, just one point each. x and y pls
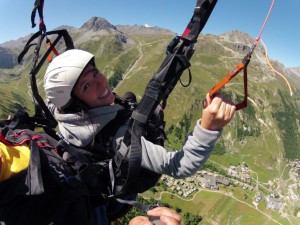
(104, 94)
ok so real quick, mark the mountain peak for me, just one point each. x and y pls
(97, 23)
(237, 36)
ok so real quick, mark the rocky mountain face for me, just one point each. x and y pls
(8, 59)
(237, 37)
(294, 74)
(97, 23)
(9, 52)
(294, 71)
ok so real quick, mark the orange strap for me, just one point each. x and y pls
(49, 44)
(231, 74)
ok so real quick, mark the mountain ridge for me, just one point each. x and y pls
(99, 24)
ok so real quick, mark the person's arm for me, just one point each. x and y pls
(167, 216)
(216, 114)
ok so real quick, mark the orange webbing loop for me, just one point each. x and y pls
(231, 74)
(243, 104)
(49, 44)
(243, 65)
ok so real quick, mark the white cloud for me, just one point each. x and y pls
(147, 25)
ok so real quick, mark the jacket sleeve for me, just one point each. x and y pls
(179, 164)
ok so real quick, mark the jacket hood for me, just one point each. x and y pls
(80, 128)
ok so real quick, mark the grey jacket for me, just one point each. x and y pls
(80, 129)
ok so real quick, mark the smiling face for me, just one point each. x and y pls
(92, 88)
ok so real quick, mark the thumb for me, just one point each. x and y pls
(207, 101)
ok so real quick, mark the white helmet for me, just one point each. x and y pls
(62, 74)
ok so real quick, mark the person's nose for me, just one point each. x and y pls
(99, 82)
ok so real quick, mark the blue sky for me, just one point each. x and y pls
(281, 34)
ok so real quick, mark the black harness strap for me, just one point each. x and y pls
(38, 5)
(34, 179)
(202, 12)
(59, 35)
(110, 129)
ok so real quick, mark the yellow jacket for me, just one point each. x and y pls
(13, 159)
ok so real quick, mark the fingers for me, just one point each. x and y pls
(217, 113)
(230, 110)
(217, 104)
(167, 220)
(226, 110)
(140, 220)
(209, 99)
(166, 213)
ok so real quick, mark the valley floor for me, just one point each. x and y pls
(235, 198)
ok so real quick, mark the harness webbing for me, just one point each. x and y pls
(37, 64)
(38, 5)
(202, 12)
(49, 44)
(136, 204)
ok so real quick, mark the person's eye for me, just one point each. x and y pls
(96, 73)
(85, 87)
